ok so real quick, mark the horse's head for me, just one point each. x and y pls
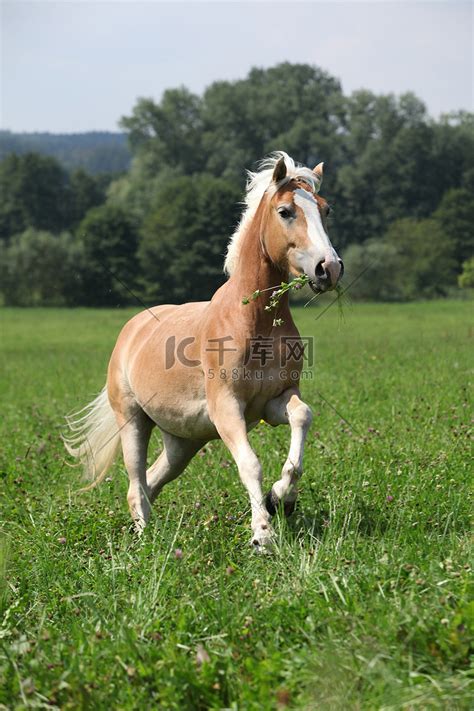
(295, 234)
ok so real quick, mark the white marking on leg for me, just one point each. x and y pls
(288, 408)
(232, 428)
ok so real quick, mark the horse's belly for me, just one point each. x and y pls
(189, 420)
(176, 402)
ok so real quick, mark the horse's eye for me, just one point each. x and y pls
(284, 213)
(328, 210)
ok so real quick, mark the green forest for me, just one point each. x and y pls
(96, 151)
(400, 185)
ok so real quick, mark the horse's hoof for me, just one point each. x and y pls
(263, 540)
(271, 502)
(262, 547)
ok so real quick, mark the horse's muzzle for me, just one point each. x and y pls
(327, 275)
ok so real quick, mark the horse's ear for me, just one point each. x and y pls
(318, 171)
(279, 172)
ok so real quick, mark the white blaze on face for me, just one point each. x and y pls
(323, 249)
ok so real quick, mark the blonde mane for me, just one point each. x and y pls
(257, 185)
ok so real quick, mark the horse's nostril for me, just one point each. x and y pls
(320, 270)
(342, 269)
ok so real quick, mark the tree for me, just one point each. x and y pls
(167, 134)
(35, 193)
(371, 270)
(412, 261)
(297, 108)
(386, 173)
(453, 150)
(184, 238)
(87, 191)
(455, 216)
(466, 278)
(426, 266)
(38, 268)
(293, 107)
(109, 239)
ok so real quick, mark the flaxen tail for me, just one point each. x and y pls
(95, 438)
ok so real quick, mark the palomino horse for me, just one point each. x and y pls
(188, 369)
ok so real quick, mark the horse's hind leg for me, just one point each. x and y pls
(288, 408)
(176, 454)
(135, 431)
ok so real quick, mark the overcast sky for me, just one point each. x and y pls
(79, 66)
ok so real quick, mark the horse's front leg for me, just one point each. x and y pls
(227, 413)
(288, 408)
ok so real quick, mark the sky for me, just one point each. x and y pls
(79, 66)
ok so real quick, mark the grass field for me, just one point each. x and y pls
(365, 604)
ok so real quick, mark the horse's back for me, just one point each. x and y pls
(152, 324)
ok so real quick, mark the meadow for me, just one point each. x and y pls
(365, 603)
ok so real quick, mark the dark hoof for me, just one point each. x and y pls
(273, 503)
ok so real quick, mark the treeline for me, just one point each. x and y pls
(95, 151)
(400, 184)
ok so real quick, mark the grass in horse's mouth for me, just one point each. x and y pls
(277, 292)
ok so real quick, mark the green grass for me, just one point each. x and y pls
(366, 603)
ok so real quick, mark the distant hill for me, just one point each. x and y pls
(96, 151)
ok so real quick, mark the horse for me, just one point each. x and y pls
(188, 369)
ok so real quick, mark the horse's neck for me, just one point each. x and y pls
(258, 273)
(254, 271)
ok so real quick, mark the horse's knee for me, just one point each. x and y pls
(301, 416)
